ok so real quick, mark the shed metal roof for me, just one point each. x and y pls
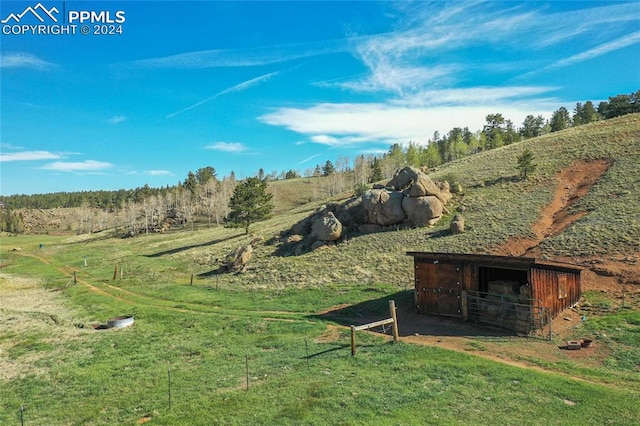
(494, 261)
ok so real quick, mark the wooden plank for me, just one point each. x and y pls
(463, 307)
(373, 324)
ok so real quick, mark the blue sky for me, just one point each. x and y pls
(283, 85)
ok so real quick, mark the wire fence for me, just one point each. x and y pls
(176, 385)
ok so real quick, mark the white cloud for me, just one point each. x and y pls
(117, 119)
(83, 166)
(375, 123)
(28, 156)
(158, 173)
(227, 146)
(23, 60)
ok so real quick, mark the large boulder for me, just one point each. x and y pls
(237, 260)
(383, 207)
(403, 178)
(422, 185)
(422, 211)
(326, 228)
(457, 225)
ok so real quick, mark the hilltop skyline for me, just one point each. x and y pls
(285, 85)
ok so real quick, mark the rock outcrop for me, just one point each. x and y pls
(237, 260)
(411, 195)
(326, 228)
(383, 207)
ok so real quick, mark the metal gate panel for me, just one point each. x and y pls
(520, 315)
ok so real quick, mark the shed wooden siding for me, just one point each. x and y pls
(556, 285)
(557, 290)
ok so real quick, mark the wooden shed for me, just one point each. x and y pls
(518, 293)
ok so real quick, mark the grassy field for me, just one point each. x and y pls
(254, 348)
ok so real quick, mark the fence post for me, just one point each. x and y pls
(246, 363)
(169, 383)
(75, 279)
(306, 345)
(22, 414)
(353, 340)
(191, 281)
(392, 310)
(115, 272)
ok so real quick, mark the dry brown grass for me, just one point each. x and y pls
(28, 310)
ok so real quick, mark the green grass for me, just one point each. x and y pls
(300, 369)
(205, 336)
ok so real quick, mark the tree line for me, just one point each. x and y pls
(203, 194)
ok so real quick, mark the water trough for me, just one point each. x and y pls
(120, 322)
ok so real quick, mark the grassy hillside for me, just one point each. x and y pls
(255, 348)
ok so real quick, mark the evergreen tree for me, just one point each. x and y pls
(191, 184)
(494, 131)
(560, 120)
(291, 174)
(532, 126)
(526, 166)
(250, 203)
(328, 168)
(376, 171)
(205, 174)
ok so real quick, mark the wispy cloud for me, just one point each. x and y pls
(117, 119)
(227, 147)
(23, 60)
(83, 166)
(306, 160)
(265, 55)
(158, 173)
(600, 50)
(425, 51)
(236, 88)
(485, 95)
(28, 156)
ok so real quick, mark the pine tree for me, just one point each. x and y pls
(328, 168)
(526, 164)
(376, 171)
(250, 203)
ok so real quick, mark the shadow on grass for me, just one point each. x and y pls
(179, 249)
(221, 270)
(410, 322)
(498, 181)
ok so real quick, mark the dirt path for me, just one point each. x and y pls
(161, 304)
(574, 183)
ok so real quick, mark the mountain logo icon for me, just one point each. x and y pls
(38, 11)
